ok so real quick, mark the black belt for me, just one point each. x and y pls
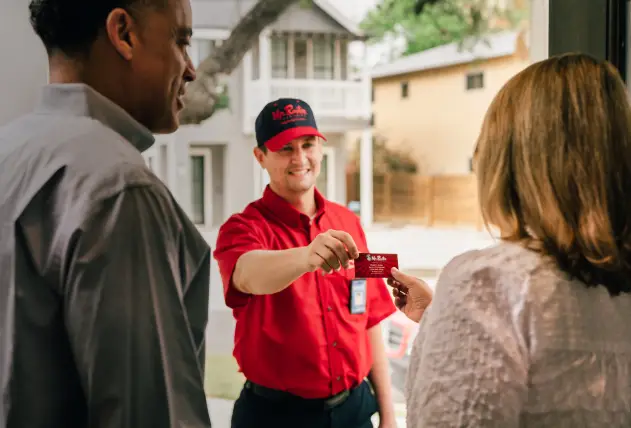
(277, 395)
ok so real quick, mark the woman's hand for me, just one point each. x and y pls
(411, 295)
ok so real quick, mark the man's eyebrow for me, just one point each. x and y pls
(184, 32)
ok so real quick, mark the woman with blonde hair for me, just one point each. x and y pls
(536, 330)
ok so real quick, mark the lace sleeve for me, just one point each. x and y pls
(469, 364)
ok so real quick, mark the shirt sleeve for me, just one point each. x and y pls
(380, 302)
(236, 237)
(468, 365)
(126, 319)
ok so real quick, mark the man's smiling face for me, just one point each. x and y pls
(295, 167)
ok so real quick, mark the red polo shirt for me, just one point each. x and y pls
(304, 339)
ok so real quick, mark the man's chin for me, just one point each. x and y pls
(302, 186)
(168, 126)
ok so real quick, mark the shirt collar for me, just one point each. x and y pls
(284, 211)
(79, 99)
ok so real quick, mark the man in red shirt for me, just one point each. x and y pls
(312, 352)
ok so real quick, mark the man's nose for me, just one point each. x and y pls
(299, 156)
(189, 73)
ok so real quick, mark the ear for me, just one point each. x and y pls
(121, 32)
(259, 155)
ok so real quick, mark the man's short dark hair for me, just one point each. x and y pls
(71, 26)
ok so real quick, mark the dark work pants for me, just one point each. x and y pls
(253, 411)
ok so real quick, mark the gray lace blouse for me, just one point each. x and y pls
(509, 341)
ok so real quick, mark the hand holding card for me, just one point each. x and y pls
(411, 295)
(330, 251)
(375, 265)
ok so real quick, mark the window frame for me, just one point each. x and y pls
(405, 90)
(206, 154)
(280, 66)
(213, 35)
(329, 153)
(472, 78)
(324, 71)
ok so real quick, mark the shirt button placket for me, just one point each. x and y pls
(329, 326)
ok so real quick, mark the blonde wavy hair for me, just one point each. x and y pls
(553, 164)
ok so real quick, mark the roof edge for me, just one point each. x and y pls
(376, 73)
(339, 17)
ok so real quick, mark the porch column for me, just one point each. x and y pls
(265, 67)
(310, 71)
(539, 11)
(291, 56)
(365, 178)
(337, 59)
(247, 94)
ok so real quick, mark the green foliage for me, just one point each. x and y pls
(223, 102)
(439, 23)
(388, 159)
(435, 26)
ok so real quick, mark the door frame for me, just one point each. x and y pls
(329, 152)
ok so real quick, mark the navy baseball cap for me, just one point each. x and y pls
(284, 120)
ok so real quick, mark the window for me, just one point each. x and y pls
(404, 89)
(475, 81)
(201, 186)
(201, 49)
(280, 48)
(323, 58)
(300, 58)
(150, 162)
(207, 168)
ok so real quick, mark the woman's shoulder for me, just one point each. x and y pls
(501, 269)
(504, 256)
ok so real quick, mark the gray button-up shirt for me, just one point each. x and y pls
(103, 278)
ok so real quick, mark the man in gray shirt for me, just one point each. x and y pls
(103, 279)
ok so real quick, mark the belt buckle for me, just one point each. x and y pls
(336, 400)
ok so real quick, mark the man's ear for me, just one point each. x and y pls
(121, 31)
(259, 155)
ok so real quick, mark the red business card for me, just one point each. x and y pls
(373, 265)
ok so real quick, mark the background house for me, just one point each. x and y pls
(427, 111)
(432, 104)
(210, 167)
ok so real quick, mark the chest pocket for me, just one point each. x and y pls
(341, 286)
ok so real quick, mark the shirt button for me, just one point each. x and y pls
(334, 344)
(338, 378)
(329, 309)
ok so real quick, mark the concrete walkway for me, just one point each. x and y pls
(425, 248)
(221, 411)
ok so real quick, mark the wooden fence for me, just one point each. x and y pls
(441, 200)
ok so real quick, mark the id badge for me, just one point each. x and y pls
(358, 296)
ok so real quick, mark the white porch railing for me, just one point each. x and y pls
(327, 98)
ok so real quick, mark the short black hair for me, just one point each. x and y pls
(71, 26)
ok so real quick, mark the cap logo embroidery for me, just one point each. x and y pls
(289, 113)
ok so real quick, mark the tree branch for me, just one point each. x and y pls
(201, 96)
